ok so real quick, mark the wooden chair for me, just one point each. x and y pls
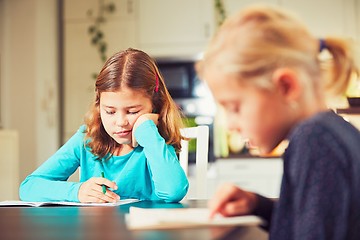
(201, 134)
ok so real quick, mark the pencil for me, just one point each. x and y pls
(103, 186)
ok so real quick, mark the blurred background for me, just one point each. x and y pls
(52, 50)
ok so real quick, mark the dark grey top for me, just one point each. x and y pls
(320, 190)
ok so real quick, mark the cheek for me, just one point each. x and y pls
(106, 121)
(255, 120)
(132, 119)
(104, 118)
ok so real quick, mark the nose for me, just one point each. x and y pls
(233, 123)
(121, 121)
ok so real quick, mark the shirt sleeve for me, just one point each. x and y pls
(264, 209)
(49, 181)
(169, 178)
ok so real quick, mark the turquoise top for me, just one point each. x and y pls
(150, 172)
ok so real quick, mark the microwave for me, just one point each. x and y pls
(180, 77)
(188, 91)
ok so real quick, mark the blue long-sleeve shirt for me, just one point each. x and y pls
(150, 172)
(320, 191)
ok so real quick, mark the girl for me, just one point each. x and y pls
(262, 66)
(131, 135)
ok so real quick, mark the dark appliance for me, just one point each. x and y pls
(191, 95)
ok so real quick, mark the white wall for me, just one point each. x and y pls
(29, 73)
(2, 17)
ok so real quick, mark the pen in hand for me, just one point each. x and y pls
(103, 186)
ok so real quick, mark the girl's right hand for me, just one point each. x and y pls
(230, 200)
(92, 191)
(147, 116)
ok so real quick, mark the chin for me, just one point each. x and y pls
(265, 150)
(125, 141)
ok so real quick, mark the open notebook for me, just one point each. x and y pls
(43, 204)
(169, 218)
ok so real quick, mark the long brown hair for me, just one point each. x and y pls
(136, 70)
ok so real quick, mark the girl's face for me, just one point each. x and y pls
(120, 110)
(260, 116)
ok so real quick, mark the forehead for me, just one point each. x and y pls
(124, 98)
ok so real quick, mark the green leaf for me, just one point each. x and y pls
(94, 40)
(111, 7)
(103, 57)
(92, 29)
(99, 34)
(103, 47)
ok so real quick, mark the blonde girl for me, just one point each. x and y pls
(131, 137)
(263, 67)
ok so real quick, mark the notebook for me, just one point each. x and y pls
(43, 204)
(168, 218)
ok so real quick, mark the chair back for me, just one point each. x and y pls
(201, 134)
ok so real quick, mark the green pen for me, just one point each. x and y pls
(103, 186)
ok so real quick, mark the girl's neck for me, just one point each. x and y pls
(123, 149)
(311, 109)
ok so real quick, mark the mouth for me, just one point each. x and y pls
(123, 133)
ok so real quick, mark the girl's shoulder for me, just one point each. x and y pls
(78, 138)
(326, 130)
(322, 123)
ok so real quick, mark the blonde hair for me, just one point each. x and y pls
(136, 70)
(259, 39)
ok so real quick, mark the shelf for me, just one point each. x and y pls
(351, 110)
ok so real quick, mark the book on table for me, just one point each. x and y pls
(15, 203)
(167, 218)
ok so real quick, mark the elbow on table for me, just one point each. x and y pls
(175, 194)
(24, 191)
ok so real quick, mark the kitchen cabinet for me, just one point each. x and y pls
(260, 175)
(325, 17)
(233, 6)
(175, 27)
(322, 17)
(78, 10)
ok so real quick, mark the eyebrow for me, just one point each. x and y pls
(128, 107)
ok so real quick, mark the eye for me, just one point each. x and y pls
(236, 108)
(110, 112)
(133, 112)
(233, 108)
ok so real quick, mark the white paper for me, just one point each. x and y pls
(160, 218)
(40, 204)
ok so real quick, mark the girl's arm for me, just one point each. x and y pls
(49, 181)
(169, 178)
(148, 116)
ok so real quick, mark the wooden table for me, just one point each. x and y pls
(52, 223)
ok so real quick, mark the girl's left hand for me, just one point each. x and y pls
(92, 191)
(141, 119)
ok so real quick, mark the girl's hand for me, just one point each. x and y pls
(230, 200)
(141, 119)
(91, 191)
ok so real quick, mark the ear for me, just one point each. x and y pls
(287, 83)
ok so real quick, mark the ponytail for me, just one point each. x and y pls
(342, 65)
